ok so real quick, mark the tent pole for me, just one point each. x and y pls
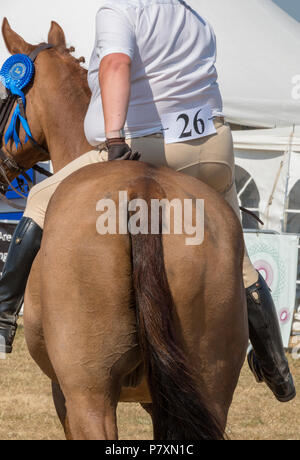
(286, 195)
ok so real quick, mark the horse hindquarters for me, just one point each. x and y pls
(89, 322)
(91, 332)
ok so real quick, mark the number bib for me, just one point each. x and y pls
(188, 124)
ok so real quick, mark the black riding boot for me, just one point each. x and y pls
(23, 248)
(267, 360)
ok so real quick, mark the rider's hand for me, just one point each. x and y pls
(119, 150)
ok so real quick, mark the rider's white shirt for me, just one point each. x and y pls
(173, 52)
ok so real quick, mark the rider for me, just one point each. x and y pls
(155, 63)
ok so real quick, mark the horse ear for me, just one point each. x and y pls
(56, 35)
(14, 43)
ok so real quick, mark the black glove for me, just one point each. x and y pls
(118, 150)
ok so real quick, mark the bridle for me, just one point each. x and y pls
(8, 163)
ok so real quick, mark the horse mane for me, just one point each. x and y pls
(72, 50)
(72, 62)
(66, 53)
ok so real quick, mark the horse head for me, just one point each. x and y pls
(47, 100)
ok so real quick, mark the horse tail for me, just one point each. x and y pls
(178, 409)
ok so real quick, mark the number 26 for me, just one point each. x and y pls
(199, 125)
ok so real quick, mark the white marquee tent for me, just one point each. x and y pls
(258, 50)
(271, 158)
(259, 73)
(258, 64)
(258, 60)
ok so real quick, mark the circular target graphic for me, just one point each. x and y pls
(267, 260)
(266, 270)
(284, 315)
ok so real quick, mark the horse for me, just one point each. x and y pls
(111, 318)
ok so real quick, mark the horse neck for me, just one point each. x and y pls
(62, 116)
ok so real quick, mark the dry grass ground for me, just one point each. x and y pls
(27, 413)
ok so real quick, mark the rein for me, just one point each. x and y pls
(8, 163)
(246, 211)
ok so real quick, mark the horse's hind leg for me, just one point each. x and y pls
(90, 392)
(91, 416)
(90, 334)
(35, 338)
(59, 403)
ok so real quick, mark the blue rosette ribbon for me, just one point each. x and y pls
(16, 73)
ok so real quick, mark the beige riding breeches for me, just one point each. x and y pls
(210, 159)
